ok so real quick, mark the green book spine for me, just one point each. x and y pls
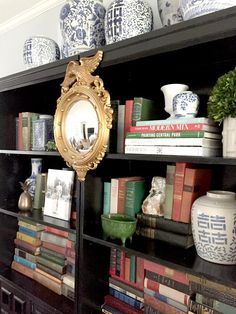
(53, 258)
(58, 268)
(134, 196)
(133, 268)
(40, 187)
(183, 134)
(72, 236)
(27, 118)
(168, 203)
(106, 197)
(54, 253)
(49, 271)
(143, 109)
(215, 304)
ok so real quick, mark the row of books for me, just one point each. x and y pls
(47, 255)
(187, 136)
(167, 291)
(33, 130)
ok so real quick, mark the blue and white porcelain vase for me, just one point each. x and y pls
(39, 50)
(36, 168)
(170, 12)
(213, 218)
(127, 18)
(185, 105)
(82, 26)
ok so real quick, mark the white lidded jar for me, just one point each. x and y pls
(214, 227)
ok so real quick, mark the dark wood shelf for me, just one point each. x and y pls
(26, 152)
(59, 303)
(168, 158)
(185, 260)
(37, 216)
(205, 29)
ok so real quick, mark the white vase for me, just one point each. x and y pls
(82, 26)
(229, 137)
(36, 168)
(169, 11)
(214, 227)
(127, 18)
(169, 91)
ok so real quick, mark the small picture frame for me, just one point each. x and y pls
(59, 194)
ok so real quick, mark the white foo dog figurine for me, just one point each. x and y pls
(153, 203)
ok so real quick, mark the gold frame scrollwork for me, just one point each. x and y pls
(79, 84)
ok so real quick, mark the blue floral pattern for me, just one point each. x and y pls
(82, 26)
(170, 12)
(127, 18)
(185, 104)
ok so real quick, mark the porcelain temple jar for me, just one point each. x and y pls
(82, 26)
(127, 18)
(214, 227)
(169, 91)
(36, 168)
(169, 11)
(39, 50)
(185, 105)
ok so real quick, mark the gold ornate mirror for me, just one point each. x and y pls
(83, 116)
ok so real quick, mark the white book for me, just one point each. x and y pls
(177, 121)
(201, 141)
(174, 150)
(114, 196)
(58, 195)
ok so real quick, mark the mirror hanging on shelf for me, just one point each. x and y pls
(83, 116)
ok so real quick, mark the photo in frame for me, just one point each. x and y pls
(58, 196)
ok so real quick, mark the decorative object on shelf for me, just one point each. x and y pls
(25, 200)
(153, 203)
(214, 227)
(36, 167)
(118, 226)
(186, 105)
(169, 91)
(170, 12)
(82, 26)
(83, 116)
(195, 8)
(222, 108)
(42, 131)
(58, 196)
(39, 50)
(127, 18)
(51, 146)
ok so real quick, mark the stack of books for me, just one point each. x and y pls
(185, 136)
(165, 290)
(170, 231)
(27, 247)
(125, 284)
(51, 263)
(68, 282)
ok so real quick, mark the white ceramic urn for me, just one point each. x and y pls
(214, 227)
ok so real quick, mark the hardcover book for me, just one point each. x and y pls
(53, 238)
(56, 231)
(160, 306)
(44, 261)
(143, 109)
(28, 239)
(179, 121)
(168, 203)
(134, 196)
(45, 281)
(158, 222)
(120, 128)
(27, 135)
(59, 194)
(106, 197)
(25, 246)
(125, 287)
(26, 271)
(181, 134)
(215, 304)
(112, 145)
(68, 292)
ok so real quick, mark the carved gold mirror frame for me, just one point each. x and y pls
(83, 116)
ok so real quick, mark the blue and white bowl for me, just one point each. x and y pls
(185, 105)
(39, 50)
(169, 11)
(82, 26)
(127, 18)
(195, 8)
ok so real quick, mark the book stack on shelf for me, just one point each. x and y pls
(184, 136)
(125, 284)
(165, 290)
(27, 247)
(51, 263)
(68, 284)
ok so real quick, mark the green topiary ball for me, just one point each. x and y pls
(222, 101)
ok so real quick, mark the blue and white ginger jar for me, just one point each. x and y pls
(170, 12)
(127, 18)
(36, 168)
(186, 105)
(82, 26)
(39, 50)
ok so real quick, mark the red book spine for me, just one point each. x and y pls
(140, 272)
(160, 306)
(54, 247)
(127, 268)
(56, 231)
(169, 127)
(165, 271)
(122, 306)
(152, 285)
(178, 189)
(122, 265)
(112, 268)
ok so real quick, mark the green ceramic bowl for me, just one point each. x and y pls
(118, 226)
